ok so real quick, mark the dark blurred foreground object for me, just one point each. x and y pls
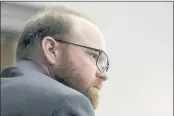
(27, 91)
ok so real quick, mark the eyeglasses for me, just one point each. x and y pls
(102, 61)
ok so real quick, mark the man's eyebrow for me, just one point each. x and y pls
(92, 51)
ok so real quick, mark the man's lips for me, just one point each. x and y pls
(98, 87)
(98, 84)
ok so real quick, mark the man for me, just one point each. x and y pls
(61, 65)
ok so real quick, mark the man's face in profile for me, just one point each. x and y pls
(79, 69)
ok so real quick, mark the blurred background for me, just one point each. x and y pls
(139, 38)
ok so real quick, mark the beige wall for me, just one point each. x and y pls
(7, 51)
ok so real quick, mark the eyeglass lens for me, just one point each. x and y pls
(102, 62)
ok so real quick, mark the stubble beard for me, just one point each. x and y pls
(91, 93)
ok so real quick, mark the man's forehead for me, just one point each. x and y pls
(87, 33)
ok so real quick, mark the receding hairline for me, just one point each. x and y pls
(59, 11)
(65, 11)
(70, 15)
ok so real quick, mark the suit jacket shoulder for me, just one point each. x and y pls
(30, 92)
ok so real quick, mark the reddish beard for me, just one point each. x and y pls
(93, 96)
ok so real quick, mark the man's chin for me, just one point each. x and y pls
(94, 97)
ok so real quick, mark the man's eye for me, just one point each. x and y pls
(95, 56)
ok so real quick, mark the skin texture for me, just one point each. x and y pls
(75, 66)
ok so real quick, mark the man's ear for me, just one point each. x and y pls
(50, 49)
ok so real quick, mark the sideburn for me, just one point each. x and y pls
(60, 73)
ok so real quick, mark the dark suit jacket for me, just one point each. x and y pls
(27, 91)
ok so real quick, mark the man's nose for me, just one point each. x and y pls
(102, 75)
